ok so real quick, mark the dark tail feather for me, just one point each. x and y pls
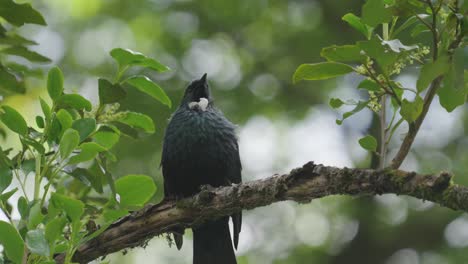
(236, 224)
(178, 239)
(212, 243)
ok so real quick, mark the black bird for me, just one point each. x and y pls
(200, 148)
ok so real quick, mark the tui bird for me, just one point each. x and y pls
(200, 148)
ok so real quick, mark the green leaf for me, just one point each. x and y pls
(9, 83)
(396, 45)
(89, 151)
(55, 83)
(37, 243)
(135, 190)
(454, 90)
(152, 64)
(90, 177)
(106, 138)
(2, 135)
(61, 248)
(410, 111)
(72, 207)
(29, 165)
(110, 215)
(46, 110)
(76, 235)
(75, 101)
(13, 120)
(369, 85)
(368, 143)
(431, 71)
(336, 103)
(7, 195)
(320, 71)
(126, 57)
(98, 178)
(68, 143)
(53, 230)
(23, 207)
(34, 144)
(19, 14)
(40, 122)
(110, 93)
(85, 127)
(410, 21)
(374, 48)
(75, 114)
(35, 216)
(65, 119)
(55, 130)
(12, 242)
(346, 53)
(360, 105)
(25, 53)
(147, 86)
(450, 98)
(418, 29)
(16, 40)
(5, 178)
(77, 174)
(4, 159)
(138, 120)
(23, 70)
(355, 22)
(374, 13)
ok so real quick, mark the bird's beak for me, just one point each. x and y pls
(203, 78)
(204, 90)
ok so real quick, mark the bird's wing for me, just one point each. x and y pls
(236, 177)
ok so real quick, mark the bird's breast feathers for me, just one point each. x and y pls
(201, 130)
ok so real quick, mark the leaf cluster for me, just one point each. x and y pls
(380, 58)
(67, 153)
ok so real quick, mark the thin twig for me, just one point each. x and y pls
(394, 129)
(383, 112)
(383, 134)
(373, 77)
(422, 21)
(392, 89)
(414, 126)
(23, 188)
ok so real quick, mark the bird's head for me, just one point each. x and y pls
(197, 94)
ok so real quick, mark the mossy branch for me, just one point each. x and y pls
(302, 185)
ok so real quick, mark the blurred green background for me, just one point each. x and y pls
(250, 49)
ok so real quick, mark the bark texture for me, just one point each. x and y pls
(301, 185)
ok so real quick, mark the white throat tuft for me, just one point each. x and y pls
(202, 104)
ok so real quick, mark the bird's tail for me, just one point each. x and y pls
(212, 243)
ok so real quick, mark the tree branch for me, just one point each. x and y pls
(414, 127)
(301, 185)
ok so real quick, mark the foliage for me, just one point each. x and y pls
(380, 58)
(80, 141)
(68, 154)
